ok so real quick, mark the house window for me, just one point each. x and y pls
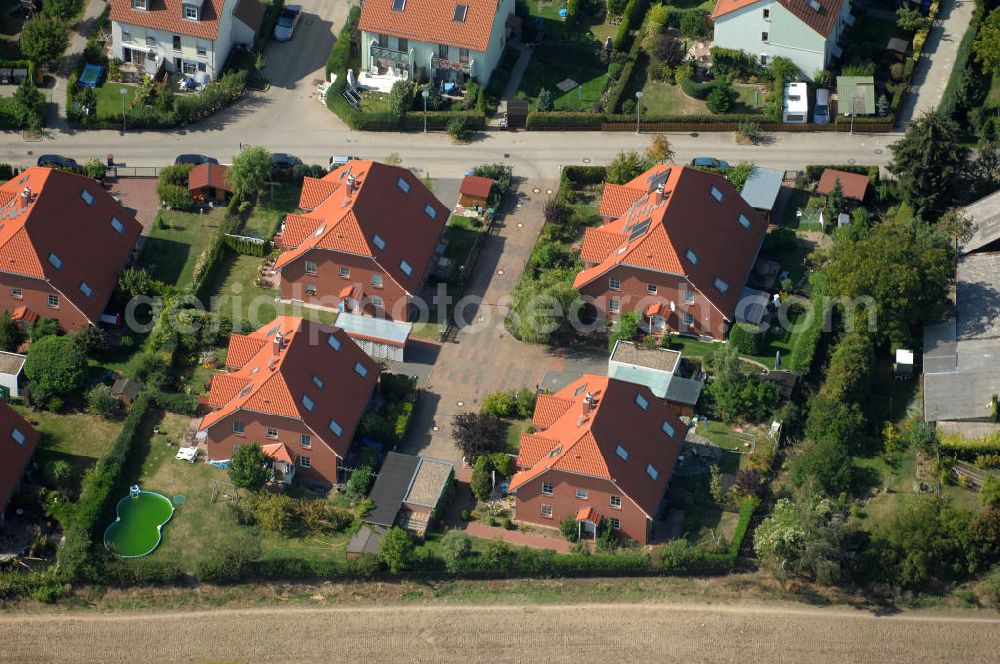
(716, 193)
(86, 289)
(430, 211)
(150, 41)
(406, 268)
(763, 36)
(307, 402)
(651, 289)
(443, 51)
(383, 41)
(202, 66)
(582, 494)
(272, 433)
(202, 49)
(616, 502)
(641, 401)
(126, 36)
(744, 222)
(335, 427)
(54, 301)
(652, 472)
(578, 391)
(377, 280)
(767, 14)
(614, 305)
(378, 241)
(139, 4)
(404, 44)
(615, 284)
(763, 59)
(463, 55)
(360, 369)
(311, 269)
(403, 184)
(177, 42)
(117, 225)
(304, 462)
(615, 524)
(18, 436)
(546, 511)
(721, 285)
(190, 13)
(15, 293)
(189, 68)
(547, 488)
(691, 256)
(87, 197)
(306, 441)
(688, 319)
(333, 342)
(688, 296)
(622, 452)
(668, 428)
(318, 382)
(55, 261)
(239, 427)
(398, 5)
(311, 289)
(377, 302)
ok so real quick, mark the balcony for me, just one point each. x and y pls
(454, 65)
(389, 54)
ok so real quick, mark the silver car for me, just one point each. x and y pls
(287, 20)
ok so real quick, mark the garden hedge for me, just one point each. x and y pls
(969, 449)
(747, 338)
(963, 57)
(538, 121)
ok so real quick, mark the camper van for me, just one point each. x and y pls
(821, 112)
(796, 104)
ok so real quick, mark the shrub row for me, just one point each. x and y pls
(539, 121)
(748, 338)
(631, 19)
(963, 56)
(248, 246)
(730, 118)
(75, 559)
(212, 253)
(969, 449)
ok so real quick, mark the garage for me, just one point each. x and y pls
(379, 338)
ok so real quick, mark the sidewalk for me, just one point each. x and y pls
(937, 61)
(77, 42)
(514, 82)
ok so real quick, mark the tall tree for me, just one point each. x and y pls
(44, 39)
(56, 368)
(801, 539)
(477, 434)
(987, 44)
(929, 161)
(250, 468)
(250, 170)
(659, 150)
(626, 166)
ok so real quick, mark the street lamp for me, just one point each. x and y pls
(854, 98)
(425, 94)
(638, 109)
(124, 93)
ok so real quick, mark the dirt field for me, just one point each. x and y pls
(646, 632)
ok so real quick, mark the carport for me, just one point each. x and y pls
(379, 338)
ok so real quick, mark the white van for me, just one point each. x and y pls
(796, 104)
(821, 112)
(338, 160)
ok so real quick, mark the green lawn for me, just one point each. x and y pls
(238, 297)
(79, 439)
(708, 526)
(279, 199)
(555, 62)
(810, 204)
(175, 241)
(725, 436)
(109, 99)
(659, 98)
(514, 430)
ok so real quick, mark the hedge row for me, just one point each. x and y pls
(631, 19)
(210, 256)
(538, 121)
(969, 449)
(100, 490)
(962, 59)
(247, 246)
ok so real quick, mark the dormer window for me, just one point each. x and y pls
(191, 12)
(140, 4)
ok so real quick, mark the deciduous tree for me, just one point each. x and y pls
(56, 368)
(44, 39)
(250, 468)
(250, 170)
(397, 551)
(987, 44)
(477, 434)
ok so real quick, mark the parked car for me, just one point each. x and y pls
(56, 161)
(821, 112)
(338, 160)
(710, 162)
(283, 160)
(289, 17)
(195, 159)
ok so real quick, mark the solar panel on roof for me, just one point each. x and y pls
(658, 180)
(639, 229)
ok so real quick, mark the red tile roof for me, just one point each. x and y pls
(586, 442)
(278, 376)
(431, 21)
(14, 456)
(168, 15)
(548, 409)
(58, 222)
(242, 348)
(348, 221)
(315, 191)
(617, 199)
(473, 185)
(822, 21)
(209, 175)
(688, 218)
(24, 314)
(588, 514)
(853, 185)
(278, 452)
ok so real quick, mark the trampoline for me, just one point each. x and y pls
(91, 76)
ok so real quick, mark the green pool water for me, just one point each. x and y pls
(136, 531)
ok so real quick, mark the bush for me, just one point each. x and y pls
(11, 333)
(748, 338)
(500, 404)
(721, 99)
(101, 402)
(398, 550)
(56, 368)
(250, 468)
(456, 546)
(694, 24)
(569, 528)
(563, 120)
(459, 127)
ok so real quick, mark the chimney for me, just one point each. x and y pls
(588, 402)
(276, 346)
(25, 197)
(659, 193)
(350, 185)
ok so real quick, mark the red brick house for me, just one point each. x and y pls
(678, 245)
(603, 448)
(18, 441)
(293, 382)
(63, 241)
(365, 244)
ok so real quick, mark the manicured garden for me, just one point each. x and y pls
(176, 241)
